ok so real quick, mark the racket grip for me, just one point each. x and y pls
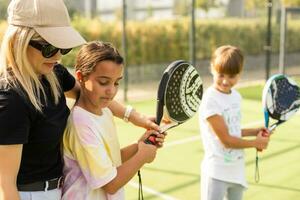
(151, 139)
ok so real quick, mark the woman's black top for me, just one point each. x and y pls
(40, 133)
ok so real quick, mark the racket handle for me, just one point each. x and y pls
(151, 139)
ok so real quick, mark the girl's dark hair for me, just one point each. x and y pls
(94, 52)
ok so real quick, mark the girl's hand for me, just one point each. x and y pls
(144, 121)
(159, 137)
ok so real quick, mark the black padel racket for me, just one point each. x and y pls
(281, 100)
(179, 95)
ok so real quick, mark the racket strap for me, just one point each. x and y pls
(141, 196)
(256, 173)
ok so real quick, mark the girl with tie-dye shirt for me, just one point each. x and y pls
(95, 166)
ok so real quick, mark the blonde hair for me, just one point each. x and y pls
(94, 52)
(228, 60)
(17, 71)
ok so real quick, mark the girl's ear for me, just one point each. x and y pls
(79, 76)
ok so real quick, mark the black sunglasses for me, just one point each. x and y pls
(47, 49)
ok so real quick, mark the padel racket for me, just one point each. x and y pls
(281, 99)
(179, 95)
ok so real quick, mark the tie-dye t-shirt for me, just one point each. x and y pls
(91, 155)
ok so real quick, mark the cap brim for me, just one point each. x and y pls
(61, 37)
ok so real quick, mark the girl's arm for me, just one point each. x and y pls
(219, 127)
(134, 117)
(128, 152)
(145, 154)
(10, 159)
(119, 110)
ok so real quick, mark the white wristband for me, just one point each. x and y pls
(127, 113)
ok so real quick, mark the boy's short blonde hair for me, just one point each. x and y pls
(227, 60)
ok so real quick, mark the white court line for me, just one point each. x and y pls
(177, 142)
(151, 191)
(170, 144)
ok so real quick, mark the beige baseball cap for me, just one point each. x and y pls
(49, 18)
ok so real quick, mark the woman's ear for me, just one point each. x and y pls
(79, 76)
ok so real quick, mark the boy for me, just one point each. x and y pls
(223, 167)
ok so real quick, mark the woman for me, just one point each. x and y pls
(33, 109)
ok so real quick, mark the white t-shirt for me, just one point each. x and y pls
(219, 162)
(91, 154)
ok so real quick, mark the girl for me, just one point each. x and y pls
(95, 166)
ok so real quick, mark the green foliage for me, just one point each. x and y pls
(291, 3)
(164, 41)
(157, 42)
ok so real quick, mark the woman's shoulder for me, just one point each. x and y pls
(10, 92)
(14, 104)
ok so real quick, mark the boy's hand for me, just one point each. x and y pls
(262, 140)
(265, 131)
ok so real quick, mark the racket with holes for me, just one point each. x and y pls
(281, 99)
(179, 95)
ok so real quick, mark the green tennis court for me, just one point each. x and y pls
(175, 174)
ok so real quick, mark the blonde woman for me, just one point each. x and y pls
(33, 111)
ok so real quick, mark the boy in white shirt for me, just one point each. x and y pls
(223, 167)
